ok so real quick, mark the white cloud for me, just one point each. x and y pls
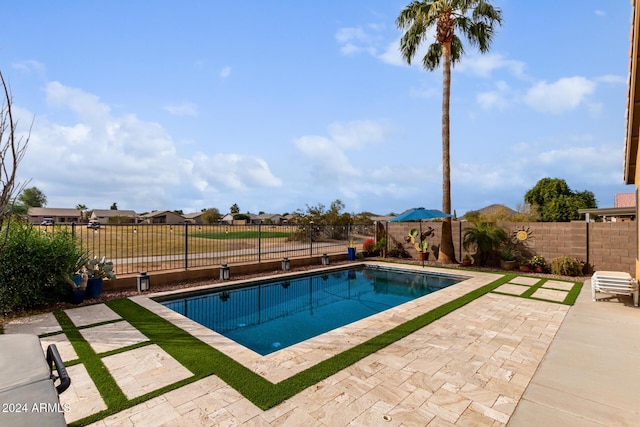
(99, 158)
(225, 72)
(499, 98)
(563, 95)
(232, 171)
(485, 65)
(29, 66)
(186, 109)
(612, 79)
(327, 155)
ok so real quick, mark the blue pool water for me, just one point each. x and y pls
(269, 316)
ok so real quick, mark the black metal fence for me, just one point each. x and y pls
(160, 247)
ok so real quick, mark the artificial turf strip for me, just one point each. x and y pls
(573, 293)
(204, 360)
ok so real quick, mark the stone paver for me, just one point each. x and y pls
(556, 284)
(90, 314)
(144, 369)
(512, 289)
(66, 350)
(550, 294)
(521, 280)
(112, 336)
(38, 324)
(82, 398)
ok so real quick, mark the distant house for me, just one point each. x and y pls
(624, 200)
(193, 218)
(107, 216)
(163, 217)
(58, 215)
(272, 219)
(624, 209)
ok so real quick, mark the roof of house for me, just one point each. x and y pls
(54, 212)
(193, 215)
(161, 213)
(108, 213)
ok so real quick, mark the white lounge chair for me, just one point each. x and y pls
(614, 282)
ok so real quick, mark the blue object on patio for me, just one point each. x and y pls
(94, 288)
(418, 214)
(351, 254)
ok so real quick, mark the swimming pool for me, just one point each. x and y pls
(270, 315)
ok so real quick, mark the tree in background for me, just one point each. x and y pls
(234, 209)
(32, 198)
(12, 150)
(553, 200)
(82, 208)
(448, 16)
(211, 216)
(114, 206)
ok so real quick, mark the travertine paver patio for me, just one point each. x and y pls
(82, 396)
(112, 336)
(470, 367)
(144, 369)
(91, 314)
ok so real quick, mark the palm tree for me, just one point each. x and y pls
(475, 19)
(80, 207)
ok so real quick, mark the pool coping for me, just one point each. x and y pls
(285, 363)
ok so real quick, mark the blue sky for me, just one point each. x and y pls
(276, 105)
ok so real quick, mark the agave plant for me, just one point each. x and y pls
(99, 269)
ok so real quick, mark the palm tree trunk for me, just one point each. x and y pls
(446, 254)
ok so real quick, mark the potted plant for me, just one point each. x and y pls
(507, 257)
(419, 241)
(369, 247)
(525, 266)
(538, 263)
(466, 261)
(423, 249)
(351, 251)
(96, 271)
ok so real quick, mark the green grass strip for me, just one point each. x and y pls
(242, 235)
(204, 360)
(573, 293)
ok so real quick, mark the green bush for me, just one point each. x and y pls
(35, 266)
(566, 266)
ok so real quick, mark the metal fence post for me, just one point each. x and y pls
(186, 245)
(311, 238)
(259, 242)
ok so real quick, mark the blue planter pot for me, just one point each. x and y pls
(77, 296)
(351, 252)
(94, 288)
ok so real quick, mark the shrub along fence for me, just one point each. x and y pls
(159, 247)
(603, 245)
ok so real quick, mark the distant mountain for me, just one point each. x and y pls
(495, 212)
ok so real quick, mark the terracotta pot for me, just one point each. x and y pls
(424, 256)
(466, 262)
(525, 268)
(538, 269)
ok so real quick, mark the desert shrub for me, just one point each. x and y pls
(369, 245)
(35, 266)
(566, 266)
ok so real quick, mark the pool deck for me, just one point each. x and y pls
(499, 360)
